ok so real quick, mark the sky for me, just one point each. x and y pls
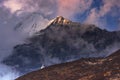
(103, 13)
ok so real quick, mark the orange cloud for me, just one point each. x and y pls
(45, 7)
(68, 8)
(13, 5)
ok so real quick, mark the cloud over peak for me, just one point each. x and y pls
(69, 8)
(97, 16)
(66, 8)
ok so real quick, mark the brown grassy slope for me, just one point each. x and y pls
(83, 69)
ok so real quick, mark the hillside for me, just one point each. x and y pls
(84, 69)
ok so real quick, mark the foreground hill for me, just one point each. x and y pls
(84, 69)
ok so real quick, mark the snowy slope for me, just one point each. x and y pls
(31, 24)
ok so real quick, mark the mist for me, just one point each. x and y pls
(7, 73)
(9, 37)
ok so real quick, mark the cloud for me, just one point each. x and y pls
(7, 73)
(96, 15)
(69, 8)
(10, 38)
(66, 8)
(31, 24)
(45, 7)
(13, 5)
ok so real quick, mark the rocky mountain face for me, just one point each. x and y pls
(84, 69)
(62, 41)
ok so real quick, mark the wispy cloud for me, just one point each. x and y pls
(7, 73)
(45, 7)
(13, 5)
(66, 8)
(96, 15)
(69, 8)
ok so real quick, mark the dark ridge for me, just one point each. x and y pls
(117, 53)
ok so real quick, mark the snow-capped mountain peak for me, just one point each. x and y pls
(59, 20)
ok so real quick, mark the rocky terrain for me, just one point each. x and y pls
(84, 69)
(62, 41)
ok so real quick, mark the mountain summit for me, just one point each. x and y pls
(60, 20)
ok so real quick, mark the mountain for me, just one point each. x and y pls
(84, 69)
(62, 41)
(59, 20)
